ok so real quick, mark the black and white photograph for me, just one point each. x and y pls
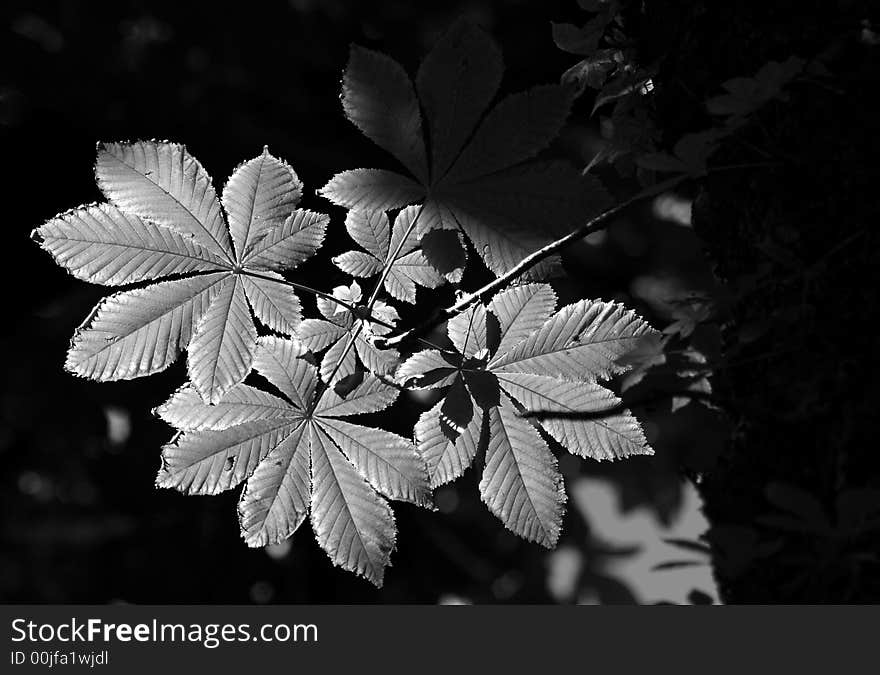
(481, 302)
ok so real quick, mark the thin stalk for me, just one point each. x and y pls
(386, 270)
(308, 289)
(324, 386)
(593, 225)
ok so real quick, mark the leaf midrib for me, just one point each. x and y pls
(221, 265)
(173, 198)
(341, 493)
(597, 421)
(520, 474)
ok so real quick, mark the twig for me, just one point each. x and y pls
(374, 295)
(343, 303)
(594, 224)
(314, 291)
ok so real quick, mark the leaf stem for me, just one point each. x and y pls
(374, 295)
(299, 287)
(315, 291)
(389, 263)
(594, 224)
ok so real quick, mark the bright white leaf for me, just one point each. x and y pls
(260, 195)
(139, 332)
(275, 304)
(358, 264)
(371, 395)
(350, 521)
(388, 462)
(427, 369)
(317, 334)
(103, 245)
(289, 244)
(582, 341)
(222, 348)
(521, 310)
(409, 266)
(165, 219)
(447, 455)
(209, 462)
(377, 361)
(407, 271)
(187, 411)
(277, 360)
(371, 230)
(339, 361)
(162, 182)
(521, 484)
(467, 330)
(372, 190)
(581, 427)
(276, 498)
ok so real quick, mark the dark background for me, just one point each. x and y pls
(81, 520)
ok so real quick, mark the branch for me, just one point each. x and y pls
(593, 225)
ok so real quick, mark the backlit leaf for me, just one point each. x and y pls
(260, 195)
(103, 245)
(447, 455)
(141, 332)
(578, 423)
(165, 220)
(521, 484)
(208, 462)
(222, 348)
(351, 522)
(520, 355)
(372, 190)
(390, 463)
(187, 411)
(521, 310)
(162, 182)
(276, 499)
(582, 341)
(408, 267)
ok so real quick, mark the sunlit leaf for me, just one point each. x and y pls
(518, 365)
(521, 484)
(260, 195)
(406, 264)
(298, 459)
(164, 220)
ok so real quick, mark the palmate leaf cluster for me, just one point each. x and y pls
(299, 459)
(164, 220)
(514, 359)
(270, 391)
(482, 176)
